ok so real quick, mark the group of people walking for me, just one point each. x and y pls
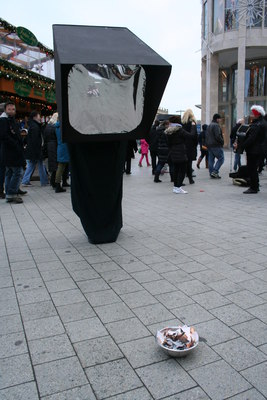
(20, 154)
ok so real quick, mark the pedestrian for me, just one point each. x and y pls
(203, 148)
(176, 137)
(214, 143)
(253, 146)
(33, 152)
(153, 145)
(144, 152)
(130, 150)
(12, 155)
(233, 138)
(163, 149)
(50, 141)
(63, 159)
(189, 123)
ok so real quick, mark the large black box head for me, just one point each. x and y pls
(109, 83)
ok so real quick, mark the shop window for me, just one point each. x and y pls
(231, 15)
(234, 84)
(254, 13)
(256, 81)
(205, 20)
(223, 85)
(218, 15)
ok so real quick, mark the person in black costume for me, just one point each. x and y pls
(131, 149)
(153, 145)
(189, 123)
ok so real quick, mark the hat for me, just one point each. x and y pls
(257, 110)
(216, 116)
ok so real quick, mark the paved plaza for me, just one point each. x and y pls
(78, 321)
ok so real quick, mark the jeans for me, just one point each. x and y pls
(30, 169)
(2, 178)
(12, 181)
(215, 152)
(237, 162)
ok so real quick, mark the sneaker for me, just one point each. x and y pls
(15, 199)
(179, 190)
(215, 175)
(26, 184)
(22, 192)
(250, 191)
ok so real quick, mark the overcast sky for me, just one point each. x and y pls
(171, 27)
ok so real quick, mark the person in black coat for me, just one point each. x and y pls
(189, 123)
(50, 142)
(131, 149)
(33, 152)
(203, 147)
(153, 145)
(163, 149)
(253, 146)
(12, 155)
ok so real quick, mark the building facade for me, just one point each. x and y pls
(234, 59)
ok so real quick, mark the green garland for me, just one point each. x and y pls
(16, 73)
(12, 29)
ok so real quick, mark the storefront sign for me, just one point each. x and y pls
(50, 96)
(22, 89)
(27, 36)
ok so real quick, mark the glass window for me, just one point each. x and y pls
(205, 20)
(255, 81)
(224, 85)
(254, 13)
(234, 84)
(218, 11)
(231, 15)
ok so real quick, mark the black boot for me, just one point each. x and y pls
(52, 179)
(156, 179)
(66, 184)
(59, 189)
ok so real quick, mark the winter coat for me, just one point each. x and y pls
(214, 136)
(202, 136)
(191, 141)
(33, 149)
(144, 146)
(163, 148)
(176, 137)
(255, 137)
(62, 148)
(153, 139)
(50, 141)
(11, 146)
(131, 149)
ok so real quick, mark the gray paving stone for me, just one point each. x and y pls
(208, 276)
(231, 314)
(15, 370)
(93, 285)
(43, 327)
(84, 274)
(153, 313)
(75, 312)
(85, 329)
(225, 287)
(146, 276)
(219, 380)
(178, 276)
(174, 299)
(191, 394)
(102, 298)
(119, 372)
(192, 314)
(97, 351)
(192, 266)
(202, 355)
(106, 266)
(143, 352)
(33, 296)
(6, 281)
(115, 276)
(263, 348)
(215, 332)
(12, 344)
(260, 312)
(29, 284)
(60, 285)
(113, 312)
(7, 293)
(26, 391)
(210, 299)
(127, 286)
(38, 310)
(30, 273)
(261, 274)
(248, 329)
(136, 394)
(257, 377)
(193, 287)
(96, 259)
(19, 265)
(80, 393)
(138, 299)
(67, 297)
(136, 266)
(251, 394)
(60, 375)
(240, 354)
(255, 286)
(159, 287)
(124, 331)
(10, 324)
(245, 299)
(55, 274)
(8, 307)
(50, 349)
(174, 377)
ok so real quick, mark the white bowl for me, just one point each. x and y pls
(178, 353)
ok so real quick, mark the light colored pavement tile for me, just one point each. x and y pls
(192, 314)
(50, 349)
(119, 372)
(67, 297)
(33, 296)
(106, 266)
(54, 274)
(174, 299)
(231, 314)
(146, 276)
(240, 354)
(178, 276)
(174, 377)
(6, 281)
(56, 376)
(260, 312)
(158, 287)
(237, 276)
(44, 327)
(81, 393)
(210, 299)
(136, 266)
(248, 329)
(136, 394)
(113, 312)
(15, 370)
(102, 298)
(93, 285)
(127, 286)
(245, 299)
(115, 276)
(16, 266)
(143, 352)
(257, 377)
(10, 324)
(29, 284)
(208, 276)
(193, 287)
(7, 293)
(261, 274)
(202, 355)
(192, 266)
(164, 267)
(75, 312)
(251, 394)
(152, 314)
(8, 307)
(60, 285)
(124, 331)
(191, 394)
(215, 332)
(219, 380)
(256, 285)
(84, 274)
(138, 299)
(85, 329)
(97, 351)
(12, 344)
(96, 259)
(225, 287)
(38, 310)
(26, 391)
